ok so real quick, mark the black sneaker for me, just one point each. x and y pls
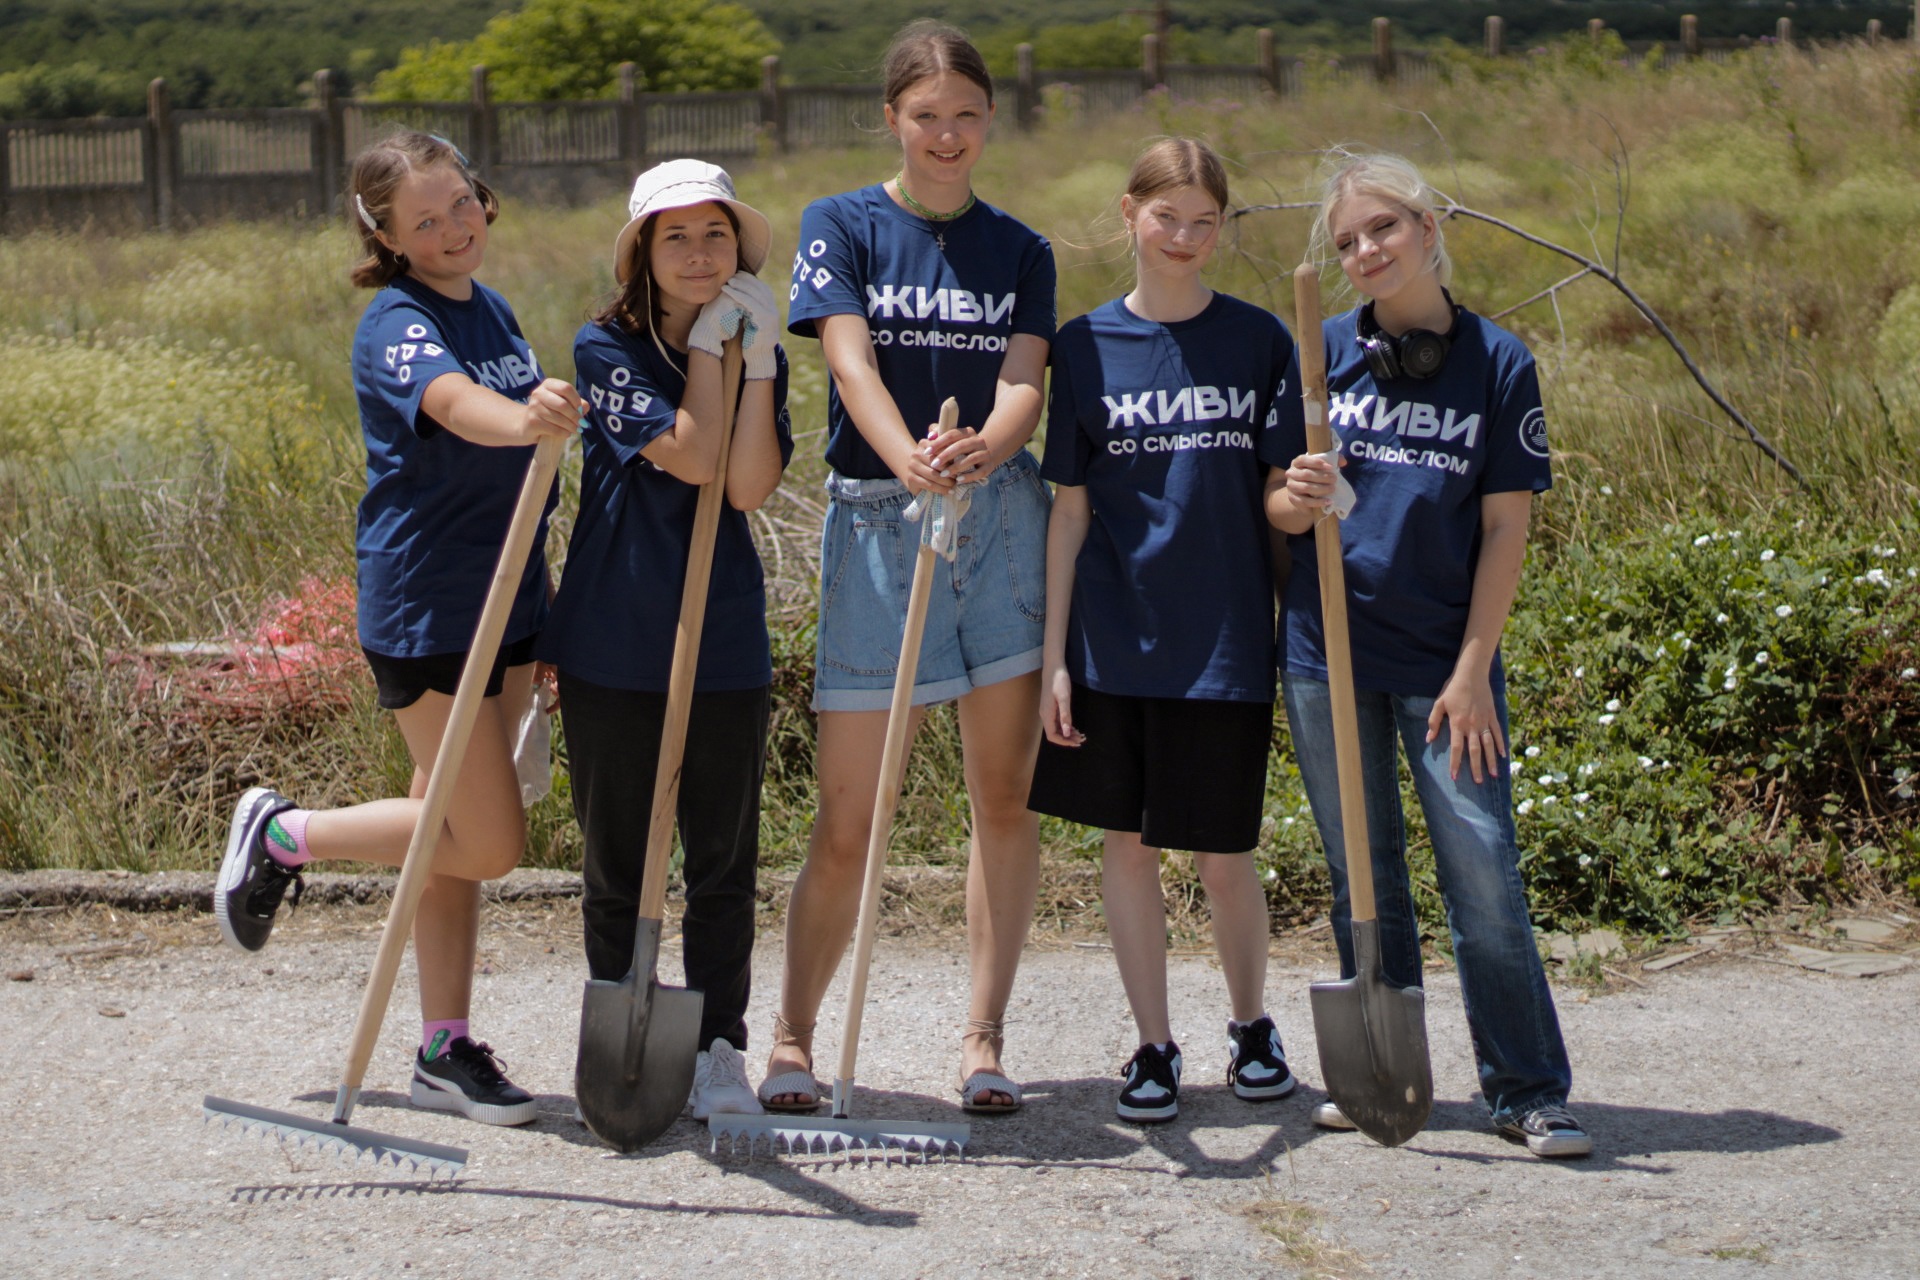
(1152, 1092)
(247, 895)
(1551, 1132)
(1257, 1067)
(466, 1077)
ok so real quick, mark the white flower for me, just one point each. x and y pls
(1559, 777)
(1766, 555)
(1588, 768)
(1823, 579)
(1547, 800)
(1760, 658)
(1783, 611)
(1513, 767)
(1686, 644)
(1579, 672)
(1678, 635)
(1606, 490)
(1734, 534)
(1662, 872)
(1545, 779)
(1532, 752)
(1586, 859)
(1720, 618)
(1703, 540)
(1525, 806)
(1607, 718)
(1646, 762)
(1582, 797)
(1613, 704)
(1730, 682)
(1878, 577)
(1909, 673)
(1885, 553)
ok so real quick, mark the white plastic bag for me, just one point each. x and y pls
(533, 749)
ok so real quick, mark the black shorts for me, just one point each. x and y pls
(401, 681)
(1186, 773)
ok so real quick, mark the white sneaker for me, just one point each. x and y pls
(1329, 1116)
(720, 1083)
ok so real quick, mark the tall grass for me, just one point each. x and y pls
(178, 451)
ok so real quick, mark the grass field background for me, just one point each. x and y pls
(1715, 700)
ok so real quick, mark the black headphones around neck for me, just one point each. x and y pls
(1417, 353)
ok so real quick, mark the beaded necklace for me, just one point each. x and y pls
(939, 235)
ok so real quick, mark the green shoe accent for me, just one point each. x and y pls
(437, 1045)
(277, 835)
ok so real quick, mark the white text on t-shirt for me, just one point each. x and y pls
(1188, 404)
(1407, 418)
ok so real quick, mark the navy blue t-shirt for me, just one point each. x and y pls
(618, 608)
(1171, 428)
(1419, 457)
(437, 507)
(940, 318)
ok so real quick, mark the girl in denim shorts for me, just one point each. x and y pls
(1162, 427)
(1444, 446)
(919, 291)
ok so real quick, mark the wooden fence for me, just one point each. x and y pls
(176, 168)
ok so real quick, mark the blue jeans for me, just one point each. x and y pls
(1516, 1034)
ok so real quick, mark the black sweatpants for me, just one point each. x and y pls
(613, 750)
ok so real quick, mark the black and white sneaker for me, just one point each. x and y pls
(466, 1077)
(1152, 1090)
(247, 895)
(1257, 1062)
(1551, 1132)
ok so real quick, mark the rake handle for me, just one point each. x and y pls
(686, 655)
(1333, 606)
(445, 774)
(893, 769)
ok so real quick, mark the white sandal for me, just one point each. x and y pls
(988, 1081)
(791, 1082)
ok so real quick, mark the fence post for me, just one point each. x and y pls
(1026, 94)
(330, 139)
(1153, 75)
(480, 113)
(1873, 31)
(773, 115)
(1269, 61)
(1783, 31)
(627, 121)
(6, 173)
(161, 169)
(1383, 68)
(1690, 35)
(1596, 30)
(1496, 35)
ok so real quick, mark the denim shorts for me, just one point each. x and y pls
(987, 611)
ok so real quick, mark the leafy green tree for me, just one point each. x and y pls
(44, 92)
(570, 49)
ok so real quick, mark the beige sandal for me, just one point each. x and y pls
(791, 1082)
(988, 1081)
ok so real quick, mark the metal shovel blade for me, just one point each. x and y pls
(1373, 1046)
(638, 1040)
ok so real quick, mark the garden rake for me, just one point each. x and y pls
(336, 1134)
(939, 517)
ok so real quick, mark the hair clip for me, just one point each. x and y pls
(458, 154)
(365, 217)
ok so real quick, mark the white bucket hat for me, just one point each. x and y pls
(679, 184)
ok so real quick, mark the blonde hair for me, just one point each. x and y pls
(375, 178)
(1385, 177)
(1171, 163)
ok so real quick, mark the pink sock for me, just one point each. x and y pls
(436, 1036)
(286, 838)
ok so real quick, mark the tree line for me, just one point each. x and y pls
(62, 58)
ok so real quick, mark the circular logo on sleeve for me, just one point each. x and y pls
(620, 377)
(1533, 432)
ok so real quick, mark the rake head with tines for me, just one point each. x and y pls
(347, 1140)
(856, 1139)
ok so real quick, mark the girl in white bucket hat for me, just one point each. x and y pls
(649, 367)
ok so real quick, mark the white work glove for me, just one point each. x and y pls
(759, 332)
(717, 321)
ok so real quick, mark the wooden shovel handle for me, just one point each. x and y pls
(893, 769)
(1333, 604)
(686, 649)
(445, 774)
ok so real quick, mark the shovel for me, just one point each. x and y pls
(638, 1039)
(1373, 1035)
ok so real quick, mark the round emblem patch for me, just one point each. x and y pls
(1533, 432)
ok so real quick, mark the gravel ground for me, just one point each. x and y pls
(1750, 1118)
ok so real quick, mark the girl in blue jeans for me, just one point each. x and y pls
(1444, 444)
